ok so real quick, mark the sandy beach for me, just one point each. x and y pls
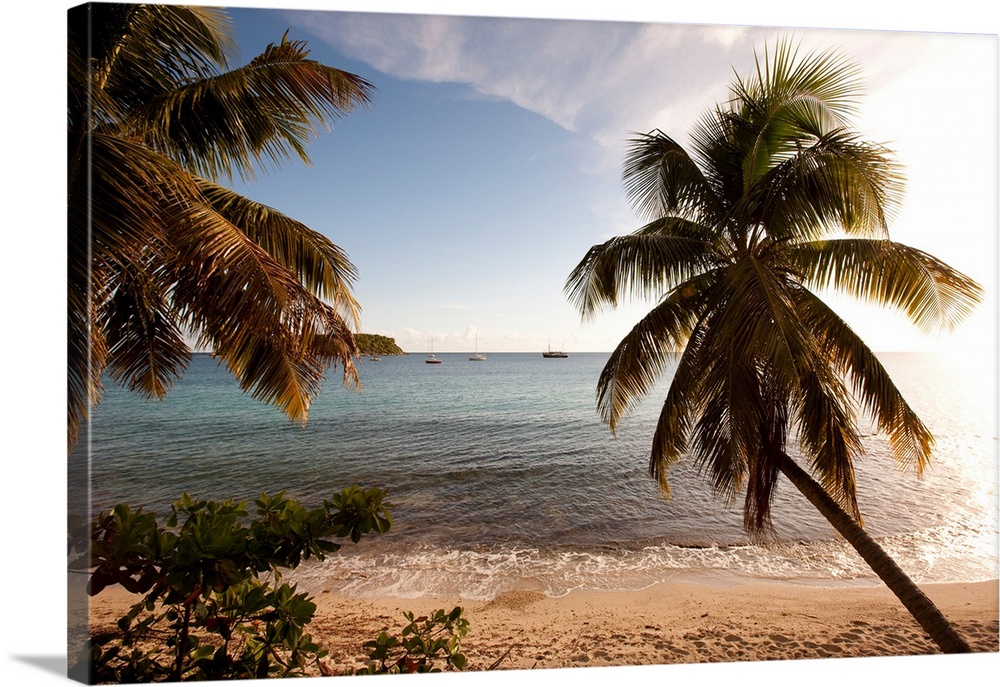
(664, 624)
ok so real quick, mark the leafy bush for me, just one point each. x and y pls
(424, 641)
(213, 604)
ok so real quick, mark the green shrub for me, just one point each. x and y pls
(426, 641)
(213, 605)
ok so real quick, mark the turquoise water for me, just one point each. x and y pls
(503, 476)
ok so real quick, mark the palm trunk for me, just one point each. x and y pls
(915, 601)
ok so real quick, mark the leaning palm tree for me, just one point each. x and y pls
(779, 198)
(160, 253)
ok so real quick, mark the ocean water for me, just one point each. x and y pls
(502, 476)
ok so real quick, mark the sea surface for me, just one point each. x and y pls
(503, 476)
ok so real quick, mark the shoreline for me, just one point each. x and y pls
(666, 624)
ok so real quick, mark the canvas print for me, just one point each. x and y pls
(407, 343)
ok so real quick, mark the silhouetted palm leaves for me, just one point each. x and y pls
(159, 251)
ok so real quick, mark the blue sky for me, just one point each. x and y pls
(490, 161)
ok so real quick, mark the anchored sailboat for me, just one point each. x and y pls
(477, 356)
(554, 354)
(431, 358)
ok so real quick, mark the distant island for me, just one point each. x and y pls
(376, 344)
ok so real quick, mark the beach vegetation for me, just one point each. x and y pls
(163, 256)
(776, 201)
(428, 644)
(212, 603)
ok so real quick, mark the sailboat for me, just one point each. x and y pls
(431, 358)
(477, 355)
(554, 354)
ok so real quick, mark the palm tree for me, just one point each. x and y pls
(160, 252)
(778, 198)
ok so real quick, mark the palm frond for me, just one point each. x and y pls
(86, 354)
(647, 263)
(257, 316)
(838, 183)
(680, 407)
(248, 306)
(716, 144)
(641, 357)
(726, 434)
(762, 468)
(154, 250)
(909, 438)
(270, 109)
(787, 347)
(137, 52)
(121, 216)
(755, 345)
(827, 430)
(321, 266)
(147, 352)
(759, 320)
(284, 367)
(661, 179)
(764, 330)
(790, 101)
(115, 225)
(929, 292)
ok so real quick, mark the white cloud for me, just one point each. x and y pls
(601, 79)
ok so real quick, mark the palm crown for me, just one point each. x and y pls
(778, 199)
(158, 249)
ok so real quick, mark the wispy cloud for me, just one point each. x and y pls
(600, 79)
